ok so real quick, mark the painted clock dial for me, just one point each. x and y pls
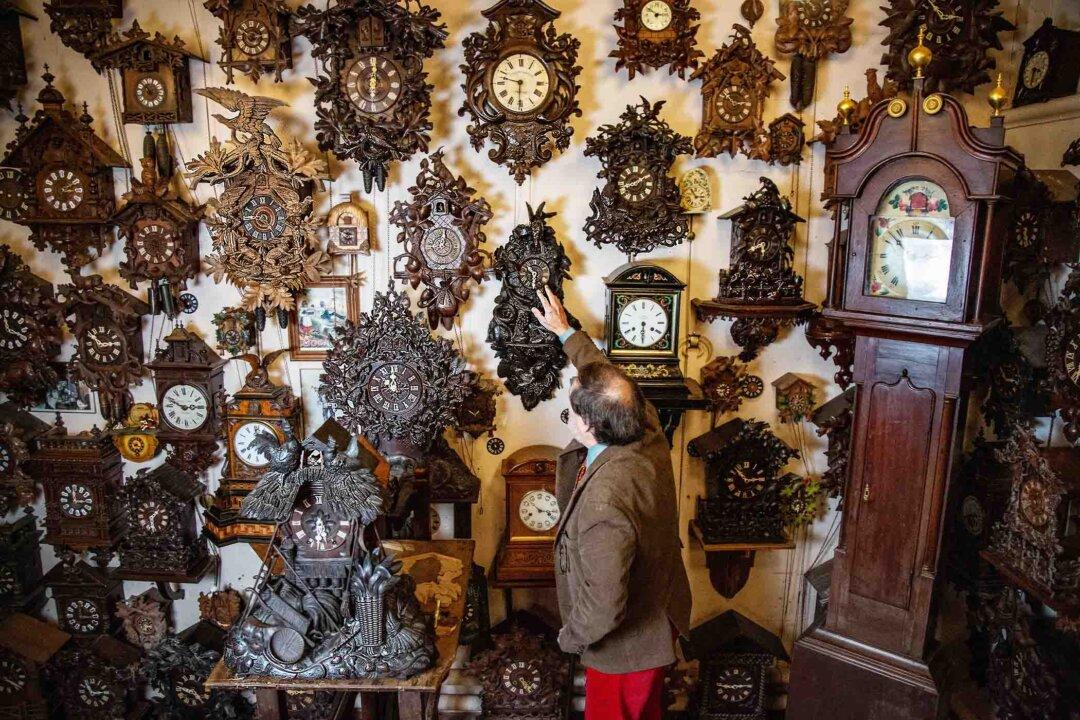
(395, 389)
(443, 248)
(1035, 69)
(252, 36)
(152, 516)
(315, 529)
(150, 92)
(733, 104)
(82, 616)
(13, 197)
(103, 345)
(373, 84)
(520, 83)
(539, 510)
(911, 247)
(643, 322)
(656, 15)
(76, 500)
(63, 189)
(1035, 502)
(185, 407)
(264, 218)
(95, 692)
(636, 183)
(14, 329)
(522, 678)
(734, 685)
(190, 690)
(12, 676)
(242, 443)
(1072, 359)
(156, 241)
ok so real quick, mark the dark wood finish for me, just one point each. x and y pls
(671, 41)
(85, 597)
(254, 37)
(1050, 67)
(83, 25)
(526, 556)
(13, 58)
(1063, 355)
(30, 331)
(810, 30)
(642, 293)
(98, 681)
(20, 567)
(26, 646)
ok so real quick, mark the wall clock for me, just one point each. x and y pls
(726, 382)
(734, 84)
(30, 332)
(26, 693)
(833, 421)
(177, 668)
(20, 568)
(13, 61)
(85, 597)
(254, 37)
(234, 330)
(372, 96)
(655, 33)
(83, 25)
(984, 483)
(348, 231)
(144, 618)
(639, 207)
(19, 431)
(786, 140)
(107, 324)
(136, 436)
(442, 231)
(531, 359)
(1050, 67)
(809, 30)
(475, 416)
(695, 191)
(98, 681)
(58, 180)
(155, 75)
(526, 554)
(642, 323)
(1063, 354)
(520, 85)
(1041, 229)
(265, 240)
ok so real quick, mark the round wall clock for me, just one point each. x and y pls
(520, 83)
(655, 34)
(656, 15)
(82, 616)
(76, 500)
(103, 345)
(150, 92)
(152, 516)
(156, 241)
(373, 83)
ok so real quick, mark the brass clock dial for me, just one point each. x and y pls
(156, 241)
(185, 407)
(761, 246)
(315, 530)
(252, 37)
(63, 189)
(656, 15)
(103, 345)
(150, 92)
(521, 83)
(636, 183)
(734, 685)
(264, 218)
(152, 516)
(12, 676)
(643, 322)
(242, 443)
(1035, 502)
(539, 510)
(395, 389)
(14, 329)
(522, 678)
(732, 104)
(76, 500)
(373, 84)
(1035, 69)
(95, 692)
(83, 616)
(13, 196)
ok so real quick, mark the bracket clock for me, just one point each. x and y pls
(639, 208)
(809, 30)
(107, 325)
(13, 62)
(20, 567)
(30, 331)
(734, 84)
(531, 359)
(642, 323)
(254, 37)
(442, 231)
(1063, 354)
(520, 85)
(26, 646)
(915, 276)
(1050, 67)
(372, 97)
(760, 289)
(85, 597)
(99, 681)
(58, 180)
(655, 33)
(526, 554)
(83, 25)
(155, 75)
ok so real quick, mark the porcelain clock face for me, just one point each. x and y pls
(656, 15)
(95, 692)
(315, 530)
(734, 685)
(643, 322)
(539, 510)
(185, 407)
(12, 676)
(732, 104)
(520, 83)
(156, 241)
(1072, 359)
(63, 190)
(150, 92)
(522, 678)
(152, 516)
(373, 84)
(252, 37)
(103, 344)
(82, 616)
(190, 690)
(395, 389)
(910, 258)
(636, 183)
(13, 196)
(263, 218)
(242, 439)
(1035, 69)
(14, 330)
(76, 500)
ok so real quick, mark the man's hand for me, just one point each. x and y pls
(553, 316)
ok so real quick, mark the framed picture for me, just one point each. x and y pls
(322, 307)
(68, 395)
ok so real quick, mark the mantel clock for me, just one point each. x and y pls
(915, 276)
(526, 554)
(655, 33)
(254, 37)
(642, 323)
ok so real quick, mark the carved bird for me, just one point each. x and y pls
(272, 498)
(251, 114)
(259, 376)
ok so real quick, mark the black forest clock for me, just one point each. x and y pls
(1050, 67)
(30, 330)
(26, 646)
(20, 567)
(1063, 355)
(655, 33)
(254, 37)
(98, 680)
(85, 597)
(83, 25)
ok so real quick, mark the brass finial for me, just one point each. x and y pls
(920, 55)
(846, 107)
(997, 96)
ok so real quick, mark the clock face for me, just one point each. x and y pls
(9, 581)
(152, 516)
(103, 345)
(14, 329)
(944, 20)
(185, 407)
(760, 247)
(534, 273)
(190, 690)
(252, 37)
(911, 258)
(656, 15)
(13, 195)
(973, 515)
(521, 83)
(242, 439)
(150, 92)
(1035, 69)
(395, 389)
(814, 13)
(315, 530)
(643, 322)
(522, 678)
(82, 616)
(373, 84)
(156, 241)
(1035, 503)
(539, 510)
(264, 218)
(636, 183)
(443, 247)
(746, 480)
(5, 459)
(732, 104)
(76, 500)
(13, 676)
(95, 692)
(62, 189)
(1072, 359)
(1026, 229)
(734, 685)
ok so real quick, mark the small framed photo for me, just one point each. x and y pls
(68, 395)
(322, 307)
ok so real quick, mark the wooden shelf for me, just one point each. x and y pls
(699, 536)
(709, 310)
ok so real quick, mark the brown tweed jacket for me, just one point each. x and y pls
(618, 560)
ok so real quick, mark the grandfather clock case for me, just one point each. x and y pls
(915, 273)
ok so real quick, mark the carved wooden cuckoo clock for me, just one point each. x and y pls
(1063, 354)
(83, 25)
(265, 239)
(99, 680)
(85, 597)
(254, 37)
(154, 74)
(531, 359)
(30, 332)
(726, 382)
(833, 421)
(1050, 67)
(234, 331)
(144, 618)
(26, 646)
(520, 85)
(810, 30)
(177, 668)
(760, 289)
(854, 113)
(372, 98)
(734, 85)
(655, 33)
(20, 566)
(107, 326)
(639, 207)
(442, 231)
(19, 431)
(390, 379)
(58, 180)
(13, 57)
(786, 140)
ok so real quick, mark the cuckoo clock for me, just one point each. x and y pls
(833, 421)
(726, 382)
(442, 231)
(58, 180)
(786, 140)
(372, 96)
(734, 85)
(388, 377)
(984, 482)
(254, 37)
(1043, 230)
(107, 325)
(98, 681)
(760, 289)
(144, 618)
(794, 398)
(655, 33)
(85, 597)
(857, 112)
(520, 85)
(20, 567)
(639, 208)
(809, 30)
(155, 76)
(26, 646)
(526, 554)
(30, 331)
(163, 543)
(136, 436)
(1050, 67)
(1063, 354)
(234, 331)
(642, 323)
(188, 380)
(83, 25)
(19, 431)
(960, 34)
(260, 407)
(476, 413)
(348, 230)
(264, 236)
(531, 359)
(13, 59)
(82, 477)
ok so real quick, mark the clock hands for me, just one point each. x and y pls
(942, 15)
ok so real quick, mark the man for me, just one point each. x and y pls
(623, 591)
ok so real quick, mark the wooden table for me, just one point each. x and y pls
(418, 696)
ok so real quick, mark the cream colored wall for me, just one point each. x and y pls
(773, 594)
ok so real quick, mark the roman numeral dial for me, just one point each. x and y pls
(520, 83)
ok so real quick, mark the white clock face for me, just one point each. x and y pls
(12, 676)
(656, 15)
(14, 330)
(150, 92)
(539, 510)
(1035, 69)
(63, 190)
(95, 692)
(82, 616)
(520, 83)
(185, 407)
(242, 439)
(76, 501)
(911, 259)
(643, 322)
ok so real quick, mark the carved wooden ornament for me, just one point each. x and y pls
(30, 333)
(810, 30)
(655, 33)
(83, 25)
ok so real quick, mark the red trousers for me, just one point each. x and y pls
(626, 696)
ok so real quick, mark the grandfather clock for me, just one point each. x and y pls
(915, 275)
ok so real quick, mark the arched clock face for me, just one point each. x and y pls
(185, 407)
(315, 530)
(264, 218)
(95, 692)
(746, 480)
(656, 15)
(734, 685)
(82, 616)
(443, 247)
(643, 322)
(395, 389)
(1035, 502)
(12, 676)
(522, 678)
(1035, 69)
(62, 189)
(733, 104)
(103, 345)
(539, 510)
(252, 37)
(242, 439)
(76, 500)
(190, 690)
(520, 83)
(14, 329)
(1072, 359)
(156, 241)
(373, 84)
(152, 516)
(814, 13)
(9, 582)
(150, 92)
(636, 183)
(13, 195)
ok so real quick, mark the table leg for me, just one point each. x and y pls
(268, 704)
(414, 705)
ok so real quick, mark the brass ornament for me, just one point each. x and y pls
(135, 438)
(898, 106)
(997, 96)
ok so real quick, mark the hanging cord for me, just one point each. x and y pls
(118, 120)
(685, 365)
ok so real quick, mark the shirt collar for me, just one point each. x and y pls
(594, 452)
